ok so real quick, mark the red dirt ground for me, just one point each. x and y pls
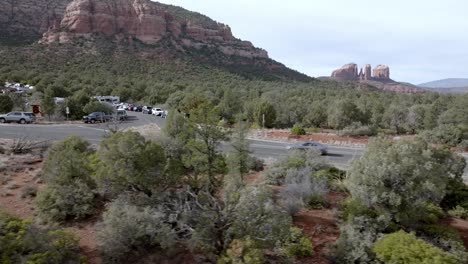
(22, 171)
(326, 138)
(319, 225)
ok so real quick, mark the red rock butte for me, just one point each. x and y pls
(349, 72)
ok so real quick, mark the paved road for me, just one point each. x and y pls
(339, 156)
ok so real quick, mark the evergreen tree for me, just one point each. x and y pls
(48, 102)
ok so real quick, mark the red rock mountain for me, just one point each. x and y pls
(29, 18)
(380, 78)
(147, 21)
(62, 21)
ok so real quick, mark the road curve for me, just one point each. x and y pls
(339, 156)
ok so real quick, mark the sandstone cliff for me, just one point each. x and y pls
(349, 72)
(147, 21)
(381, 72)
(380, 78)
(29, 19)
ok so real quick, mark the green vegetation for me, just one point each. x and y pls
(402, 185)
(6, 104)
(298, 130)
(70, 191)
(128, 162)
(23, 242)
(250, 89)
(411, 176)
(48, 102)
(405, 248)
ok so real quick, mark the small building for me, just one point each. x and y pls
(108, 99)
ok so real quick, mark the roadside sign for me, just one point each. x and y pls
(67, 110)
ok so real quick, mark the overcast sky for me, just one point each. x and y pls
(420, 40)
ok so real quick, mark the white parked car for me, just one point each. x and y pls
(157, 111)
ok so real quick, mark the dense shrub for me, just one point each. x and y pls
(457, 194)
(255, 164)
(402, 247)
(297, 245)
(96, 106)
(411, 175)
(259, 218)
(298, 130)
(445, 238)
(128, 162)
(356, 130)
(242, 251)
(459, 212)
(68, 160)
(60, 203)
(448, 134)
(295, 161)
(6, 104)
(23, 242)
(127, 228)
(70, 193)
(300, 189)
(356, 240)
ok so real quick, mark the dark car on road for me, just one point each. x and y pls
(96, 117)
(309, 145)
(18, 117)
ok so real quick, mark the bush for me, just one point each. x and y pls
(458, 212)
(457, 194)
(6, 104)
(242, 251)
(356, 240)
(298, 130)
(402, 247)
(356, 130)
(463, 145)
(275, 175)
(259, 218)
(96, 106)
(23, 242)
(317, 202)
(448, 134)
(445, 238)
(128, 162)
(411, 175)
(353, 208)
(60, 203)
(29, 191)
(127, 228)
(300, 188)
(295, 161)
(255, 164)
(297, 245)
(330, 174)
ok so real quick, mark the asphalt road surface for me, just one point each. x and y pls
(339, 156)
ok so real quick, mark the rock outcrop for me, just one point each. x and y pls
(381, 72)
(147, 21)
(29, 19)
(380, 78)
(349, 72)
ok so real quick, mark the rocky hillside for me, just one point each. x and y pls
(379, 78)
(140, 28)
(148, 22)
(27, 20)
